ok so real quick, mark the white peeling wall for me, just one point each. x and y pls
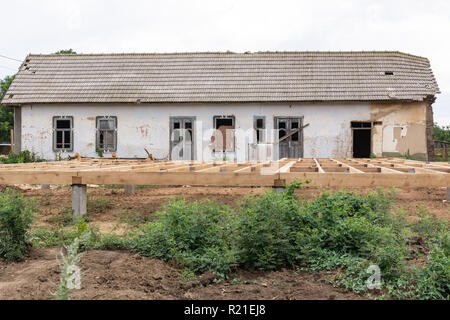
(147, 126)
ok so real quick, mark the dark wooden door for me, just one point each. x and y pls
(291, 147)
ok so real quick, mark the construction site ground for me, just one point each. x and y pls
(122, 275)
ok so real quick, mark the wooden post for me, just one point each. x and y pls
(12, 140)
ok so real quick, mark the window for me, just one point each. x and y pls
(63, 134)
(260, 126)
(107, 134)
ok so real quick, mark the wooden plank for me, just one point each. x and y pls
(179, 178)
(46, 177)
(352, 169)
(318, 166)
(369, 179)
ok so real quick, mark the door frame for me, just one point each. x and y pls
(233, 118)
(194, 126)
(301, 136)
(353, 135)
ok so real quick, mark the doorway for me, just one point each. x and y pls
(362, 139)
(225, 125)
(292, 146)
(182, 138)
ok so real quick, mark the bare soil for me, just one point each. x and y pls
(147, 201)
(121, 275)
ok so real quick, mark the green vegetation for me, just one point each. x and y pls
(15, 221)
(135, 218)
(69, 267)
(199, 235)
(64, 217)
(442, 133)
(6, 113)
(342, 234)
(68, 51)
(99, 205)
(22, 157)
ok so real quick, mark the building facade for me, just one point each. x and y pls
(206, 106)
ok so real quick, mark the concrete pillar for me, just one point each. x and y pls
(279, 189)
(79, 200)
(130, 190)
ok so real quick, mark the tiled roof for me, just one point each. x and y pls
(222, 77)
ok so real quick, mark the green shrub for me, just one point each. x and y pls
(199, 235)
(267, 225)
(433, 279)
(15, 220)
(22, 157)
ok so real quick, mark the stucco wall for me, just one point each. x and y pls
(147, 126)
(403, 129)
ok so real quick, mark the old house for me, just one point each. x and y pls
(321, 104)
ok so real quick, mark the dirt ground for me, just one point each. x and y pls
(147, 201)
(121, 275)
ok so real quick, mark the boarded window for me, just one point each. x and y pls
(63, 134)
(107, 134)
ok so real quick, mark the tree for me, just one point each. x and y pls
(442, 133)
(70, 51)
(6, 113)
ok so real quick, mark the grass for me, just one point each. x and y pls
(99, 205)
(135, 218)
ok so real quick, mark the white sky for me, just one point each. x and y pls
(93, 26)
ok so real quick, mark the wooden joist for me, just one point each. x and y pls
(386, 172)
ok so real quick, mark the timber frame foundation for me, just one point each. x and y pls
(380, 172)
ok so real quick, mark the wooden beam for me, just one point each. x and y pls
(356, 180)
(293, 132)
(318, 166)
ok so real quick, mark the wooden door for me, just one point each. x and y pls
(291, 147)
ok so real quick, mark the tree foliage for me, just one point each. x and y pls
(442, 133)
(6, 113)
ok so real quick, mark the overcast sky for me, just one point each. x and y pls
(104, 26)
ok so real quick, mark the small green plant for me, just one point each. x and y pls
(64, 217)
(99, 205)
(408, 155)
(99, 152)
(70, 277)
(15, 221)
(135, 218)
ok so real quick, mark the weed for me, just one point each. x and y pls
(99, 205)
(70, 277)
(64, 217)
(15, 221)
(135, 218)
